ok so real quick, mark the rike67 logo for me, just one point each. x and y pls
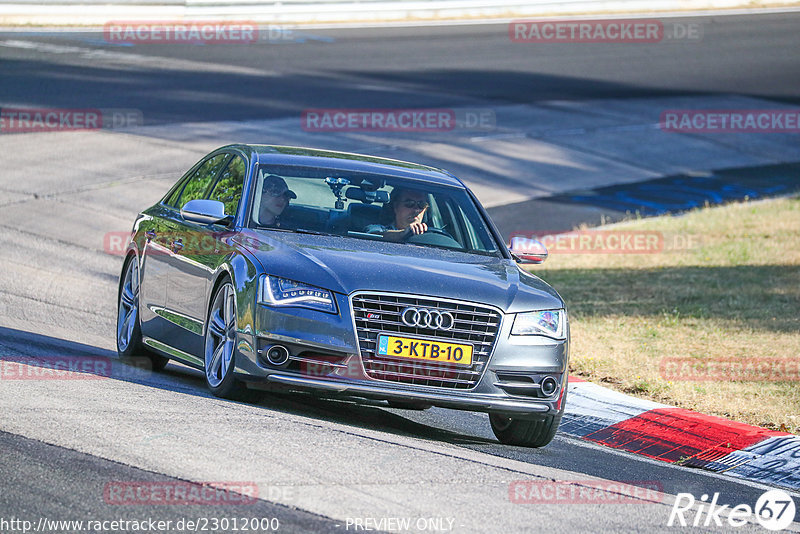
(774, 510)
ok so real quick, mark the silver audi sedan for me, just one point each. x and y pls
(345, 275)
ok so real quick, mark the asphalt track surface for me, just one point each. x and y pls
(430, 66)
(316, 461)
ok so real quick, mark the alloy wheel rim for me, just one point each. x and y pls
(220, 337)
(127, 313)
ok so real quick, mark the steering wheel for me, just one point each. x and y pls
(433, 230)
(433, 236)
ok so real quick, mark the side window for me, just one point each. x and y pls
(173, 197)
(228, 189)
(473, 237)
(450, 221)
(198, 183)
(477, 234)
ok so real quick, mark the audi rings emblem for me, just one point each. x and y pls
(424, 318)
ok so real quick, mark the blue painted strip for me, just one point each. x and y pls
(774, 460)
(582, 425)
(682, 192)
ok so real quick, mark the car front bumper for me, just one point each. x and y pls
(508, 383)
(469, 401)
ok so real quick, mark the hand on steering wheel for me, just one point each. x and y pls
(417, 228)
(431, 236)
(433, 230)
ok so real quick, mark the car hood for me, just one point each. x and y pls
(346, 265)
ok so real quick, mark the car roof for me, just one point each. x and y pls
(312, 157)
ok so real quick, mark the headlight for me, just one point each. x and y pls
(550, 323)
(282, 292)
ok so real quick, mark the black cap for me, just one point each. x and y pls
(276, 186)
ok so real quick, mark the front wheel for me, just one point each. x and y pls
(129, 330)
(528, 432)
(524, 432)
(220, 345)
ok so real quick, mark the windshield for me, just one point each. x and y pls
(368, 206)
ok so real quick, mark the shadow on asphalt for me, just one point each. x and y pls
(39, 352)
(30, 356)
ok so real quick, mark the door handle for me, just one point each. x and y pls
(150, 234)
(177, 245)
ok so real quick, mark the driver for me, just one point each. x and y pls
(275, 197)
(408, 207)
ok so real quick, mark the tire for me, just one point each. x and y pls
(220, 345)
(524, 432)
(130, 348)
(527, 432)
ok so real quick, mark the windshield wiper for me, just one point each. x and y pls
(276, 228)
(314, 232)
(294, 230)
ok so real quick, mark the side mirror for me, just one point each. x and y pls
(204, 211)
(527, 250)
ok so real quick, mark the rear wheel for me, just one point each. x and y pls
(220, 345)
(129, 332)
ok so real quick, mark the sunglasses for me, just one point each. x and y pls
(285, 193)
(411, 204)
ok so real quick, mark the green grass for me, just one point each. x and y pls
(726, 286)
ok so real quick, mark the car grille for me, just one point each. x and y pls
(474, 324)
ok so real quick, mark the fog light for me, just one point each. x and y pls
(277, 355)
(549, 386)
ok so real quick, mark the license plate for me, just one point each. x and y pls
(425, 349)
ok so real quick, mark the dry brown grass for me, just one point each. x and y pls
(735, 294)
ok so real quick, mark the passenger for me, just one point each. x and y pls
(275, 196)
(406, 208)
